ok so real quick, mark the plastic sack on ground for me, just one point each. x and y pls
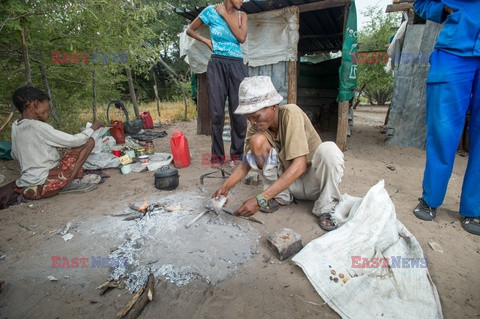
(101, 161)
(5, 149)
(387, 274)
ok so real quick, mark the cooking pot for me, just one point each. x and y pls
(166, 178)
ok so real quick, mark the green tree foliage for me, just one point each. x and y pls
(374, 37)
(142, 29)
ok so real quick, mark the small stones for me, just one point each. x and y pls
(335, 279)
(345, 280)
(333, 272)
(341, 275)
(331, 278)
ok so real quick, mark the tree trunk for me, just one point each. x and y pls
(132, 93)
(175, 77)
(155, 89)
(47, 88)
(357, 100)
(28, 79)
(94, 88)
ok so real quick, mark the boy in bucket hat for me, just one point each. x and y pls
(282, 143)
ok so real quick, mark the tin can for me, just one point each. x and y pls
(149, 147)
(140, 151)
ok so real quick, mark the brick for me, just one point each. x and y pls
(285, 243)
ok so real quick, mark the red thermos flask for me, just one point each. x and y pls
(179, 148)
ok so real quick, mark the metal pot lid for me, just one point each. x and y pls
(166, 171)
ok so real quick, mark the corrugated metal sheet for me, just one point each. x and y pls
(320, 30)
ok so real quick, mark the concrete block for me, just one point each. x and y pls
(285, 243)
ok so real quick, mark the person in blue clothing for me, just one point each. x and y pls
(453, 89)
(225, 71)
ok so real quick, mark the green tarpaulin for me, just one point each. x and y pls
(348, 69)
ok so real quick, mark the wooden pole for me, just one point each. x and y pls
(132, 93)
(94, 88)
(203, 110)
(155, 89)
(28, 78)
(342, 125)
(321, 5)
(292, 82)
(343, 106)
(47, 88)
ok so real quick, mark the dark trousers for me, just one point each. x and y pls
(224, 75)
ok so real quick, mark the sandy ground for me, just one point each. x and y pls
(261, 288)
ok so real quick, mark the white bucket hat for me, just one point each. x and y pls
(255, 93)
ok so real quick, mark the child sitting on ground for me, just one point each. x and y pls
(43, 172)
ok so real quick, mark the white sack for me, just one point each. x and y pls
(101, 161)
(272, 37)
(370, 230)
(197, 54)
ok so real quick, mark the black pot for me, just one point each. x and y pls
(166, 178)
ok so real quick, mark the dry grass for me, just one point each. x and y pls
(169, 112)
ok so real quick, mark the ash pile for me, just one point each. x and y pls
(158, 243)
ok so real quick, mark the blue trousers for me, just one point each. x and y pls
(453, 88)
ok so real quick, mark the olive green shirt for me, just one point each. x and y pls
(296, 136)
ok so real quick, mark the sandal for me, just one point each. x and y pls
(424, 212)
(327, 217)
(472, 225)
(273, 206)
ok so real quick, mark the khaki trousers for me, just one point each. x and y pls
(318, 183)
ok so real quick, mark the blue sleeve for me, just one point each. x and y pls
(430, 9)
(205, 15)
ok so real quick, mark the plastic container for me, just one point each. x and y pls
(147, 120)
(130, 153)
(125, 169)
(180, 150)
(149, 147)
(140, 151)
(143, 159)
(117, 131)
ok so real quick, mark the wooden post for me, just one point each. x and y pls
(155, 89)
(132, 93)
(342, 125)
(203, 109)
(94, 104)
(292, 82)
(26, 59)
(343, 106)
(47, 88)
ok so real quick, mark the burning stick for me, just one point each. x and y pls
(110, 284)
(141, 301)
(122, 312)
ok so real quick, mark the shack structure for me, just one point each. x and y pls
(280, 33)
(405, 123)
